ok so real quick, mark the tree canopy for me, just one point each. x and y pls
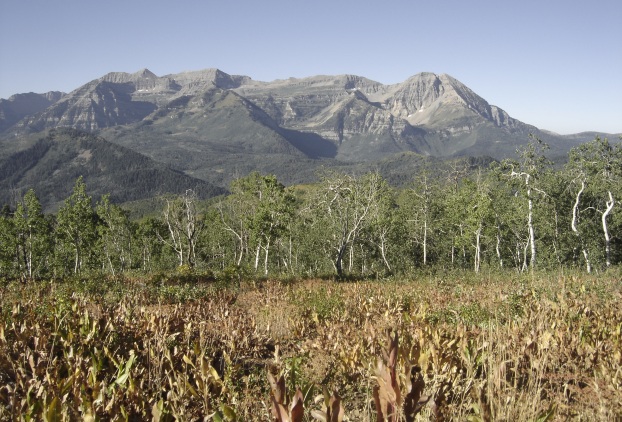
(516, 214)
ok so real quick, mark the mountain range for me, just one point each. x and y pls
(213, 126)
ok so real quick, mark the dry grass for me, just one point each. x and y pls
(505, 349)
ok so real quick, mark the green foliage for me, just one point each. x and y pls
(258, 215)
(183, 227)
(76, 229)
(321, 304)
(347, 227)
(51, 165)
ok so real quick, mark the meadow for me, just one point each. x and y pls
(439, 346)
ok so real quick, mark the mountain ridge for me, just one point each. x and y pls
(216, 126)
(18, 106)
(51, 164)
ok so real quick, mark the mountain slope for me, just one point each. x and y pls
(428, 114)
(19, 106)
(217, 126)
(53, 163)
(213, 136)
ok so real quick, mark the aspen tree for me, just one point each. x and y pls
(76, 225)
(529, 169)
(32, 234)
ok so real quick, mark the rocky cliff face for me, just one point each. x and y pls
(415, 94)
(120, 98)
(346, 106)
(345, 116)
(93, 106)
(21, 105)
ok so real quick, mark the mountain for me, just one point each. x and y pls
(52, 163)
(215, 126)
(19, 106)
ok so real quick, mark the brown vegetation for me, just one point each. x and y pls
(509, 348)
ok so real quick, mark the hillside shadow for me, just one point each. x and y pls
(311, 144)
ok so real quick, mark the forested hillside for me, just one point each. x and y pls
(521, 213)
(51, 163)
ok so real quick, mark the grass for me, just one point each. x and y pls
(506, 347)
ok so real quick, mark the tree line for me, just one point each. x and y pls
(520, 214)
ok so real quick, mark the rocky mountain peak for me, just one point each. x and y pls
(415, 94)
(428, 113)
(430, 99)
(145, 74)
(53, 96)
(117, 77)
(193, 82)
(143, 80)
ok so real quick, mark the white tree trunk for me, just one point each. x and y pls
(525, 266)
(573, 225)
(498, 245)
(532, 233)
(383, 253)
(265, 263)
(29, 255)
(351, 258)
(610, 204)
(478, 248)
(257, 256)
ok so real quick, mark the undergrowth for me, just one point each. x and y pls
(504, 347)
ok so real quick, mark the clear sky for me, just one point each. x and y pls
(556, 64)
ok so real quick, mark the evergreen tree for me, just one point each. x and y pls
(8, 244)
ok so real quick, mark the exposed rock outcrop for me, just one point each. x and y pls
(362, 119)
(19, 106)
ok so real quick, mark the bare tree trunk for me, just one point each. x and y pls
(29, 256)
(239, 235)
(257, 256)
(76, 266)
(291, 264)
(573, 225)
(339, 259)
(351, 259)
(383, 253)
(173, 229)
(525, 256)
(478, 248)
(239, 260)
(532, 233)
(610, 204)
(498, 245)
(265, 264)
(109, 260)
(463, 246)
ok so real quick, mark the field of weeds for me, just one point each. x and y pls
(442, 347)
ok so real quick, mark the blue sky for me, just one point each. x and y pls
(554, 64)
